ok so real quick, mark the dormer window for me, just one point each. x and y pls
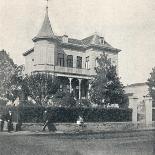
(101, 40)
(65, 39)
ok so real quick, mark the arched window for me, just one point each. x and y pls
(69, 61)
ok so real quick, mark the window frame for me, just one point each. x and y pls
(87, 63)
(60, 60)
(70, 61)
(79, 62)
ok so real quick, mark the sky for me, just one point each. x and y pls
(126, 24)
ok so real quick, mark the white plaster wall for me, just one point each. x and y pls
(45, 55)
(76, 53)
(29, 63)
(95, 54)
(44, 52)
(138, 91)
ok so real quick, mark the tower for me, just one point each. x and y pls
(44, 46)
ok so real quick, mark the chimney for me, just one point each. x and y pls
(65, 38)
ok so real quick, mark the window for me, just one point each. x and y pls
(87, 63)
(79, 62)
(60, 60)
(69, 61)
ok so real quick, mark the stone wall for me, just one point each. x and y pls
(93, 127)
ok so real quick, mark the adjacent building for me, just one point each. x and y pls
(72, 60)
(138, 90)
(138, 94)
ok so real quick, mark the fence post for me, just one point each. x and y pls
(148, 110)
(133, 102)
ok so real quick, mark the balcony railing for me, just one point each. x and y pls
(66, 70)
(81, 71)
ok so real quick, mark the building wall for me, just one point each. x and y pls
(44, 53)
(93, 54)
(137, 90)
(29, 63)
(45, 57)
(75, 53)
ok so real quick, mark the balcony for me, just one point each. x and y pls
(68, 70)
(63, 70)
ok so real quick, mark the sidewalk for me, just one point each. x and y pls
(78, 132)
(69, 129)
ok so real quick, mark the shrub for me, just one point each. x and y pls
(63, 114)
(83, 103)
(64, 99)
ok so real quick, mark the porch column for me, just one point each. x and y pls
(70, 85)
(89, 86)
(80, 88)
(148, 108)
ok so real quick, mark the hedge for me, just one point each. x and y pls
(61, 114)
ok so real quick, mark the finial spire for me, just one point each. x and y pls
(46, 29)
(47, 6)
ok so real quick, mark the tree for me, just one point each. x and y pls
(7, 69)
(15, 84)
(106, 87)
(39, 86)
(151, 84)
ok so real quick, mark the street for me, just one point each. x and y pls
(134, 143)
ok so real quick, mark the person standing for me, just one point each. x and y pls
(2, 119)
(9, 120)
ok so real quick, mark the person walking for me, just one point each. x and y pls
(48, 121)
(45, 120)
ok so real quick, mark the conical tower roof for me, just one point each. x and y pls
(46, 29)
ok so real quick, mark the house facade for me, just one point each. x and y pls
(72, 60)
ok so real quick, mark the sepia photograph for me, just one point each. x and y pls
(77, 77)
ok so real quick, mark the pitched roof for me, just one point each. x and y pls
(28, 52)
(137, 84)
(95, 39)
(46, 29)
(87, 40)
(91, 41)
(70, 40)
